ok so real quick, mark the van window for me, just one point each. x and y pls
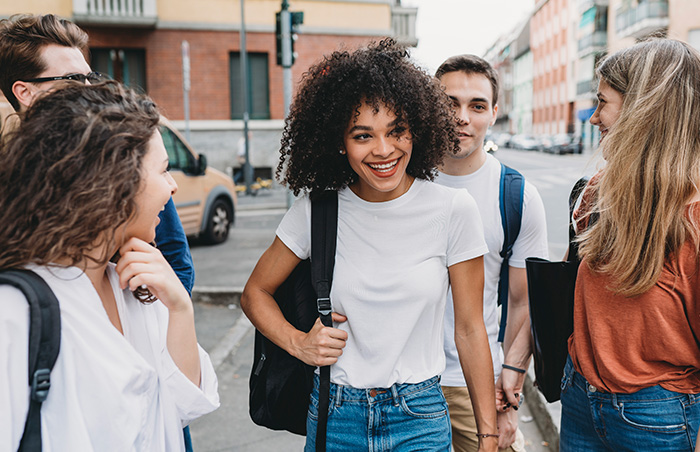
(179, 157)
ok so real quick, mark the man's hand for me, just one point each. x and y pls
(509, 388)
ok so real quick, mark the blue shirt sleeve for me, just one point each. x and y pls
(172, 242)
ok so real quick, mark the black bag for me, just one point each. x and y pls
(280, 385)
(551, 292)
(44, 344)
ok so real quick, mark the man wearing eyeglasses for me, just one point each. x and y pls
(38, 51)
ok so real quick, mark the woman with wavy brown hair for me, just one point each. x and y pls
(82, 180)
(633, 378)
(374, 127)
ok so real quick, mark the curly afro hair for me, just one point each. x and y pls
(328, 98)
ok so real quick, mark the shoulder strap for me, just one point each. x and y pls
(576, 193)
(510, 196)
(324, 230)
(44, 344)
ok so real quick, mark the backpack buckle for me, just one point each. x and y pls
(324, 306)
(41, 383)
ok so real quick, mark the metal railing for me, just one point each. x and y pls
(116, 11)
(584, 87)
(627, 21)
(403, 25)
(592, 42)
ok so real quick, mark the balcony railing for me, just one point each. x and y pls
(585, 5)
(116, 12)
(593, 42)
(403, 25)
(585, 87)
(639, 21)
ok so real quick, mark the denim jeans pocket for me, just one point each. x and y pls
(426, 404)
(660, 416)
(313, 405)
(568, 378)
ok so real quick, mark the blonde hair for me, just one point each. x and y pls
(653, 164)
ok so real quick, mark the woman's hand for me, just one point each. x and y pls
(142, 264)
(322, 345)
(507, 426)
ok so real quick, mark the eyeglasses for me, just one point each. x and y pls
(92, 77)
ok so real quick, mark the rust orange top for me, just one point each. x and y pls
(623, 344)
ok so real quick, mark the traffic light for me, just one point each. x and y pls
(286, 28)
(297, 19)
(278, 36)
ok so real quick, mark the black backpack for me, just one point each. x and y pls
(280, 385)
(44, 344)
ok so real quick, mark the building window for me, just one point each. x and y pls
(259, 86)
(125, 65)
(694, 38)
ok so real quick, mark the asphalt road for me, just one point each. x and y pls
(228, 336)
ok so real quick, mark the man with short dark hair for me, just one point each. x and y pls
(38, 51)
(472, 85)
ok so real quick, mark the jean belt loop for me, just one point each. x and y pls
(338, 395)
(395, 394)
(613, 398)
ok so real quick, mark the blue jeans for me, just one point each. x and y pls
(404, 417)
(651, 419)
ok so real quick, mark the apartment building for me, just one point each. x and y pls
(140, 42)
(553, 107)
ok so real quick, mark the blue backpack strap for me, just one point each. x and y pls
(510, 196)
(44, 344)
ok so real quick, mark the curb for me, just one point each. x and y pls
(222, 296)
(541, 413)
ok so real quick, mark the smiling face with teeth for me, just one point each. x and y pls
(157, 186)
(378, 147)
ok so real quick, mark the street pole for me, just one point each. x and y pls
(286, 31)
(186, 85)
(247, 169)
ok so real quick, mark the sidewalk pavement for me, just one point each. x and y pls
(238, 336)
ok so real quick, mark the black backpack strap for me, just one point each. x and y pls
(324, 229)
(44, 344)
(510, 196)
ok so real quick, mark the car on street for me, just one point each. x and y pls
(206, 197)
(525, 142)
(559, 144)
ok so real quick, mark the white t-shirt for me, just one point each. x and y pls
(483, 185)
(108, 392)
(391, 277)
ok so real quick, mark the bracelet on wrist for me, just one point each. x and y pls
(486, 435)
(513, 368)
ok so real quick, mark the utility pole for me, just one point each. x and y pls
(245, 80)
(186, 85)
(286, 31)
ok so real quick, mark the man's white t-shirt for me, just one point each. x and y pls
(483, 185)
(391, 277)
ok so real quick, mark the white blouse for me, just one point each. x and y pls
(109, 392)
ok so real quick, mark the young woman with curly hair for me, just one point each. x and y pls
(373, 126)
(633, 378)
(83, 179)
